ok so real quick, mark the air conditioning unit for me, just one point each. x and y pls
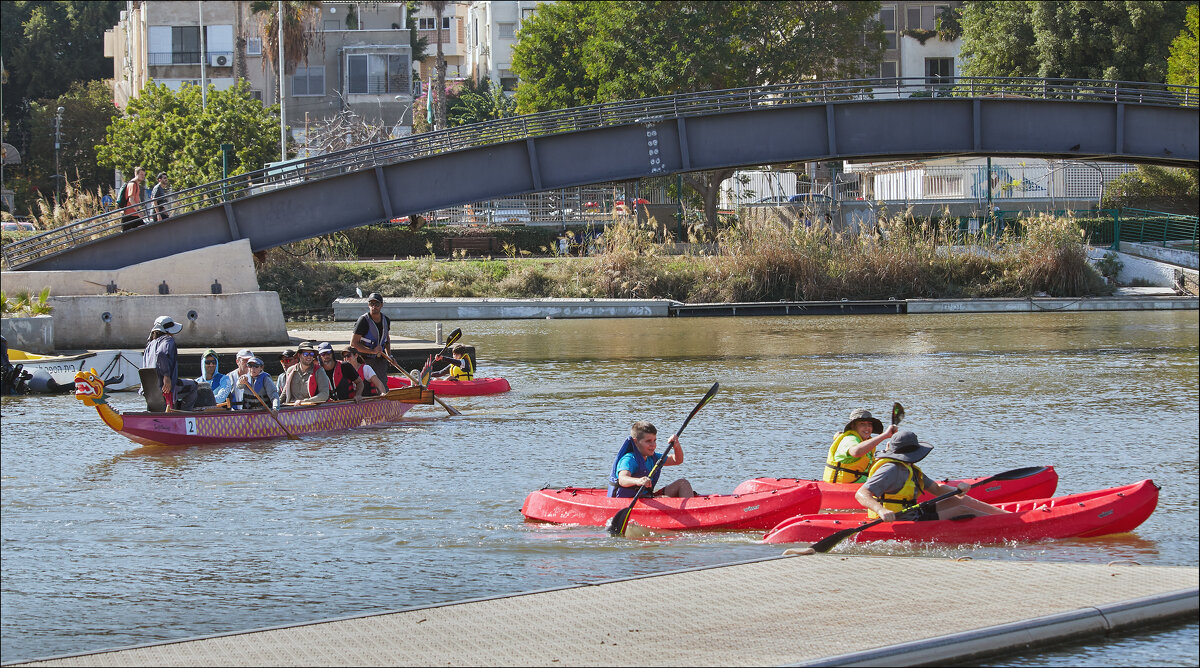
(222, 60)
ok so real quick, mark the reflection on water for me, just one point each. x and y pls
(107, 543)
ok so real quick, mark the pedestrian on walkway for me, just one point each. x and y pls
(160, 199)
(132, 200)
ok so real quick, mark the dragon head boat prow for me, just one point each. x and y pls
(89, 388)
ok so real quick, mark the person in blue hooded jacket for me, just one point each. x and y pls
(637, 458)
(209, 373)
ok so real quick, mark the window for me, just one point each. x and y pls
(527, 13)
(377, 74)
(887, 69)
(185, 45)
(939, 70)
(256, 95)
(508, 80)
(254, 46)
(887, 16)
(428, 22)
(308, 81)
(506, 30)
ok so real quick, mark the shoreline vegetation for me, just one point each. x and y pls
(744, 262)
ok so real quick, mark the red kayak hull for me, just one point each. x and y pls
(840, 496)
(730, 512)
(457, 388)
(1096, 513)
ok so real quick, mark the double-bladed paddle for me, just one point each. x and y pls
(619, 522)
(827, 543)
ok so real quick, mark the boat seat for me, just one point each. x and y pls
(150, 388)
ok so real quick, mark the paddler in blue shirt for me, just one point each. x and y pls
(637, 458)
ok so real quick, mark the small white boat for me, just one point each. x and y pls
(118, 368)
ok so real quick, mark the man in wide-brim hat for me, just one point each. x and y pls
(895, 483)
(853, 450)
(162, 355)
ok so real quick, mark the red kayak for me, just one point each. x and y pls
(840, 496)
(734, 512)
(457, 388)
(1096, 513)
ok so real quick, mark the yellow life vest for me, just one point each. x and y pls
(458, 373)
(907, 495)
(851, 471)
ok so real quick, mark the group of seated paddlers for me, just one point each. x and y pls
(310, 375)
(891, 480)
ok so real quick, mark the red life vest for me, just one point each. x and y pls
(335, 380)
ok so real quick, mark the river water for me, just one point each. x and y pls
(106, 543)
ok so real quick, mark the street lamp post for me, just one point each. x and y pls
(57, 143)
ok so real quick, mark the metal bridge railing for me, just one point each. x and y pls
(1156, 227)
(628, 112)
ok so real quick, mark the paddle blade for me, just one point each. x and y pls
(616, 526)
(827, 543)
(454, 337)
(897, 413)
(426, 373)
(1017, 474)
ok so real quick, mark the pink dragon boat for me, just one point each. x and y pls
(226, 426)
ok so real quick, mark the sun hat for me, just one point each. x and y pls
(905, 447)
(325, 347)
(245, 353)
(307, 345)
(375, 297)
(864, 414)
(166, 324)
(255, 360)
(287, 353)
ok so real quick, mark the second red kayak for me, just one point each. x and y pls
(457, 388)
(731, 512)
(840, 496)
(1097, 513)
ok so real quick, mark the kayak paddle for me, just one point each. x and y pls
(827, 543)
(449, 340)
(897, 413)
(618, 523)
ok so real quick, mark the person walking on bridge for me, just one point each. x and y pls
(132, 201)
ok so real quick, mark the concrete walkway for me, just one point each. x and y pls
(767, 612)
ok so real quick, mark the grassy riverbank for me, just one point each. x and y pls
(751, 262)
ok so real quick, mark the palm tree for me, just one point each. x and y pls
(439, 109)
(301, 32)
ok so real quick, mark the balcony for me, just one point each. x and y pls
(170, 58)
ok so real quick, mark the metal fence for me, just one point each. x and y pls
(1155, 227)
(627, 112)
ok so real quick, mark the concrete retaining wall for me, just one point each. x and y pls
(1183, 258)
(1141, 268)
(33, 335)
(193, 272)
(122, 321)
(467, 308)
(1044, 304)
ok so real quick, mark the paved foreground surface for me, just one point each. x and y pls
(769, 612)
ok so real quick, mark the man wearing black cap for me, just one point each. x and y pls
(895, 482)
(372, 337)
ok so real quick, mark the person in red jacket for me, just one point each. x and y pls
(134, 200)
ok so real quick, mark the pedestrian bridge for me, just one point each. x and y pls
(873, 119)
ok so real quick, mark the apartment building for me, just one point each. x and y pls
(453, 36)
(360, 59)
(491, 33)
(911, 49)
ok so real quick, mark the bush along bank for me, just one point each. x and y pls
(768, 261)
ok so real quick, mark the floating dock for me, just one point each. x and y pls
(774, 611)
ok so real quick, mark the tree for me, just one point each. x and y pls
(301, 32)
(1078, 39)
(1174, 190)
(1182, 63)
(47, 46)
(87, 112)
(578, 53)
(165, 130)
(476, 103)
